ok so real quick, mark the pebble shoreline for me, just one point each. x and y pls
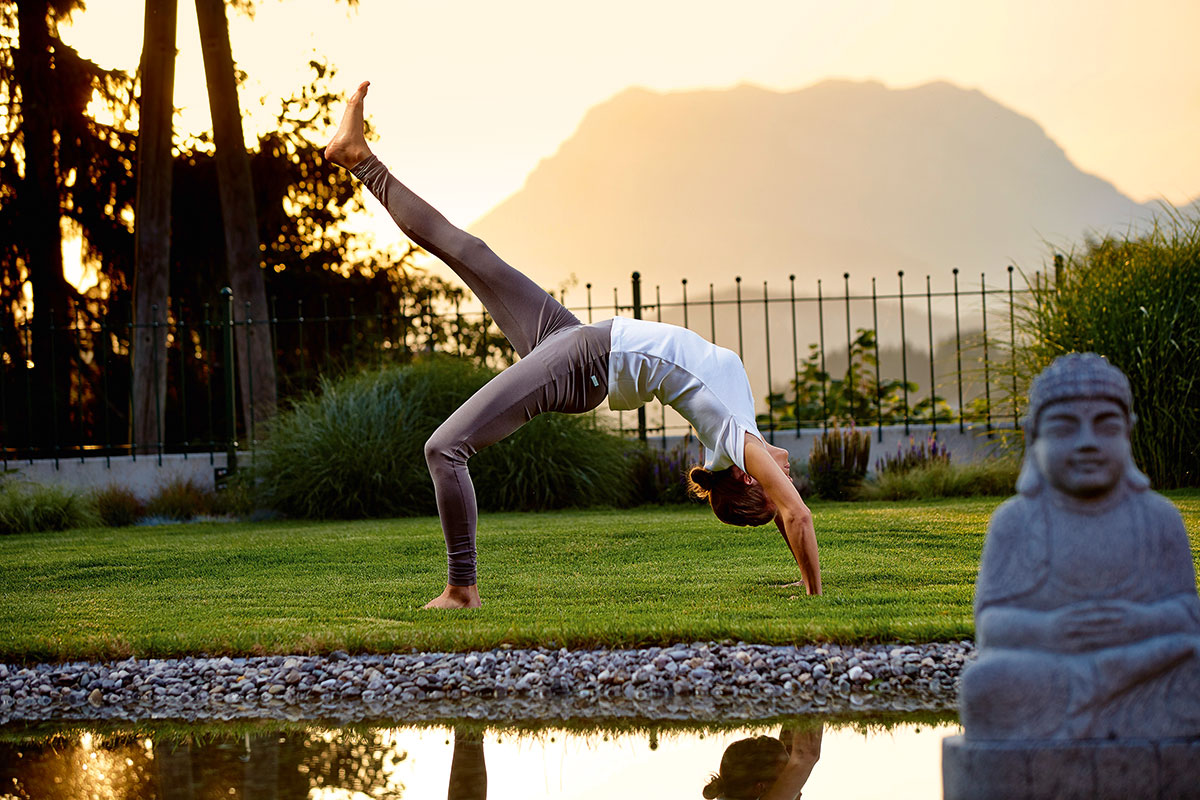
(700, 681)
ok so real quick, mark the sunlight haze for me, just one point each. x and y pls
(467, 97)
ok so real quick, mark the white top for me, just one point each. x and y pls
(705, 383)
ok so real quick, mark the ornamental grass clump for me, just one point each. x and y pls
(1135, 301)
(180, 499)
(838, 462)
(28, 508)
(356, 449)
(117, 506)
(992, 477)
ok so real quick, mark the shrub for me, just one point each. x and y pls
(838, 462)
(995, 476)
(117, 506)
(27, 508)
(180, 499)
(357, 450)
(660, 476)
(917, 455)
(1136, 302)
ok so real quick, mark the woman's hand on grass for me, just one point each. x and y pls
(792, 517)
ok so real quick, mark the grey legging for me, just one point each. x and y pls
(563, 366)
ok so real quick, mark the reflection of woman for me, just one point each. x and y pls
(468, 772)
(570, 367)
(765, 768)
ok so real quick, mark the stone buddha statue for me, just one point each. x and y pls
(1087, 618)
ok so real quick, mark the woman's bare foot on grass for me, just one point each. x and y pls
(348, 145)
(456, 597)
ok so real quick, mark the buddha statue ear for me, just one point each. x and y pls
(1134, 478)
(1030, 479)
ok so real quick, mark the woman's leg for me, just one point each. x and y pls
(525, 313)
(568, 373)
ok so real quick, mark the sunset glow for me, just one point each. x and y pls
(469, 96)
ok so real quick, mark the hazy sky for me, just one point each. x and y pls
(468, 95)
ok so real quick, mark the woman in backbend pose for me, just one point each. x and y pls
(570, 367)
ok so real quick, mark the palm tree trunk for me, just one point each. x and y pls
(255, 357)
(152, 255)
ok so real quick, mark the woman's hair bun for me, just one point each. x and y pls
(715, 788)
(701, 478)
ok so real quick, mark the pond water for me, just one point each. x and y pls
(259, 762)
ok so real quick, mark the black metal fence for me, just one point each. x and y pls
(963, 344)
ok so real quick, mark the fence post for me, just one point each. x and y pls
(25, 361)
(824, 372)
(54, 390)
(158, 421)
(662, 431)
(1012, 350)
(79, 380)
(987, 378)
(795, 353)
(958, 355)
(104, 337)
(878, 388)
(932, 379)
(212, 438)
(250, 377)
(767, 326)
(180, 337)
(712, 313)
(903, 352)
(230, 377)
(683, 282)
(637, 314)
(849, 352)
(738, 283)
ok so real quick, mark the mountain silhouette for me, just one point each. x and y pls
(839, 177)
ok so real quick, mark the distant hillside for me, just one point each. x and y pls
(838, 177)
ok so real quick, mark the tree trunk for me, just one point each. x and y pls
(39, 198)
(254, 352)
(152, 255)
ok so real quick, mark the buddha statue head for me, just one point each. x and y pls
(1077, 430)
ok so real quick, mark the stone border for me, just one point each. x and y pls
(700, 681)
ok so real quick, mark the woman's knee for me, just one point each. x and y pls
(468, 248)
(443, 451)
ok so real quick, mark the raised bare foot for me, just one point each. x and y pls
(456, 597)
(348, 145)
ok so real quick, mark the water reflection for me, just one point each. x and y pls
(258, 763)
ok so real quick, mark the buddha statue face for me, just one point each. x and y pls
(1082, 446)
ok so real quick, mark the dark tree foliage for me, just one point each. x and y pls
(57, 163)
(358, 307)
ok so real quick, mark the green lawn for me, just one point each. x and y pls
(892, 571)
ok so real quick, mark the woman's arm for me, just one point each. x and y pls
(792, 516)
(805, 751)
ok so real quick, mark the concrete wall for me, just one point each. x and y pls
(975, 443)
(143, 475)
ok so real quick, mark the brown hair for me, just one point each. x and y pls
(733, 501)
(745, 764)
